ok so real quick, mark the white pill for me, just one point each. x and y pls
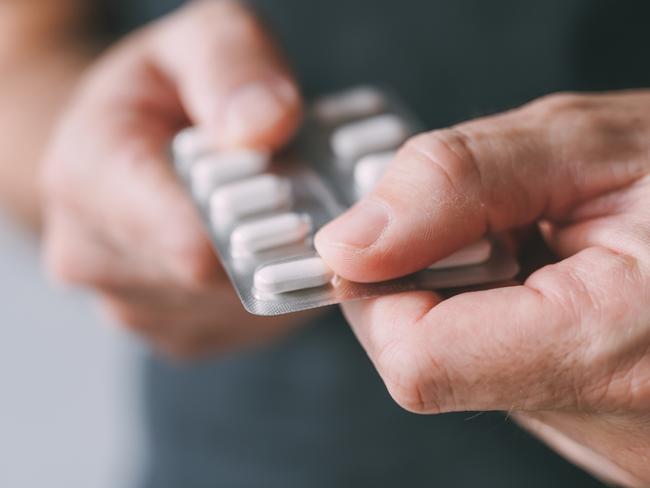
(375, 134)
(270, 232)
(369, 170)
(187, 146)
(294, 275)
(357, 102)
(213, 170)
(477, 253)
(250, 196)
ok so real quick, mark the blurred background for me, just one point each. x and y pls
(69, 414)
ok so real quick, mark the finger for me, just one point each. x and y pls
(130, 201)
(164, 237)
(186, 326)
(446, 189)
(179, 336)
(519, 348)
(618, 220)
(73, 254)
(229, 74)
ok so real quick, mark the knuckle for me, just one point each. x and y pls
(172, 338)
(623, 385)
(60, 266)
(445, 157)
(118, 313)
(127, 316)
(409, 383)
(570, 113)
(560, 103)
(61, 262)
(409, 397)
(582, 289)
(446, 153)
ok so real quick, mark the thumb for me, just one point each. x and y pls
(229, 74)
(448, 188)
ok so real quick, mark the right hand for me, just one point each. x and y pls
(116, 218)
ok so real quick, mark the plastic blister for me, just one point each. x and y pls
(262, 212)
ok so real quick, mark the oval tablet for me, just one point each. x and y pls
(250, 196)
(270, 232)
(294, 275)
(369, 135)
(369, 170)
(213, 170)
(357, 102)
(187, 146)
(476, 253)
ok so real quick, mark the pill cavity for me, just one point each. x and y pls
(270, 232)
(476, 253)
(369, 170)
(357, 102)
(369, 135)
(258, 194)
(216, 169)
(287, 276)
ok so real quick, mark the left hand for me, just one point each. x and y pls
(568, 351)
(117, 221)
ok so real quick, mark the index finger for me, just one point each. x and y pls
(546, 344)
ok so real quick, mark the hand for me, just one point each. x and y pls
(568, 351)
(117, 220)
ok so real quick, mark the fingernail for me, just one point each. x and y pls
(358, 228)
(256, 107)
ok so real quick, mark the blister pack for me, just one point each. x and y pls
(262, 211)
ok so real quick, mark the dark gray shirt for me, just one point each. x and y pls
(310, 411)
